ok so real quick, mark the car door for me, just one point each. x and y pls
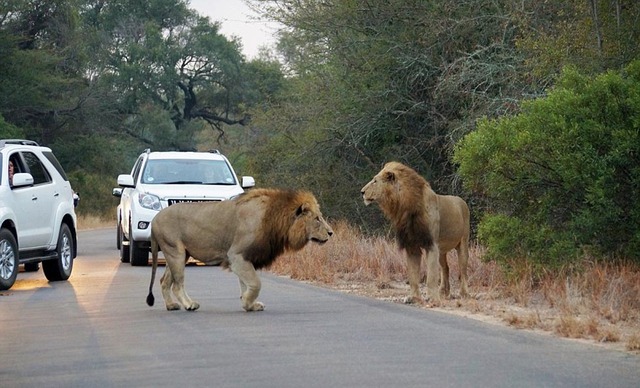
(36, 204)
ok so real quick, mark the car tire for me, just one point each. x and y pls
(8, 259)
(118, 236)
(124, 246)
(60, 268)
(31, 267)
(138, 253)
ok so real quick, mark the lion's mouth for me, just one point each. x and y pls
(367, 201)
(319, 241)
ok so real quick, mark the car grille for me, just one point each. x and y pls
(174, 201)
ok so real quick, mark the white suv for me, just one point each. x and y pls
(37, 216)
(160, 179)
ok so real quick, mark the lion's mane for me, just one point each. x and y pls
(282, 226)
(403, 203)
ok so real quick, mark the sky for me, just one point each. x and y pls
(235, 18)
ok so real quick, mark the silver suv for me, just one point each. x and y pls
(37, 216)
(160, 179)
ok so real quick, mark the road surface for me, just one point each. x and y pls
(97, 331)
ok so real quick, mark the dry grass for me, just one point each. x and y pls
(599, 301)
(93, 222)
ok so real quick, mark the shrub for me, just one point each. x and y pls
(564, 174)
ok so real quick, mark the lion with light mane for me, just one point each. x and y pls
(423, 220)
(243, 234)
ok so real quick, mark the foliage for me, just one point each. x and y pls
(593, 35)
(355, 84)
(8, 131)
(100, 81)
(563, 175)
(163, 56)
(379, 81)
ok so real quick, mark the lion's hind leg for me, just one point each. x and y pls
(173, 279)
(463, 259)
(166, 281)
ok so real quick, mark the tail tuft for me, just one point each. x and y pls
(150, 299)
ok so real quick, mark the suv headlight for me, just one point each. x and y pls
(150, 201)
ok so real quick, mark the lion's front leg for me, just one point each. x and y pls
(413, 271)
(433, 273)
(249, 283)
(445, 286)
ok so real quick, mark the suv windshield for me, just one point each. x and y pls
(187, 171)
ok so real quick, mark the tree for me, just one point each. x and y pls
(377, 81)
(163, 56)
(37, 80)
(593, 35)
(94, 77)
(562, 176)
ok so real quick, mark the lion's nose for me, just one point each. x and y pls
(330, 233)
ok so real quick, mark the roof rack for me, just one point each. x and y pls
(4, 142)
(214, 151)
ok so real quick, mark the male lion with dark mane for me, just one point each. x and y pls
(423, 220)
(243, 234)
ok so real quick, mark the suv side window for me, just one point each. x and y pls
(137, 168)
(18, 166)
(36, 168)
(52, 158)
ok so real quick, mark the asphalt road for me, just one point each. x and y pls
(97, 331)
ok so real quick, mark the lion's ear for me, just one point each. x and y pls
(301, 210)
(390, 176)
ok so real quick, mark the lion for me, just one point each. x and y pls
(423, 220)
(242, 234)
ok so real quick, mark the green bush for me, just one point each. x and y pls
(8, 131)
(564, 174)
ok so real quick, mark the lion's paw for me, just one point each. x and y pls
(173, 306)
(257, 306)
(413, 300)
(193, 306)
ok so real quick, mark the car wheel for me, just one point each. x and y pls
(139, 254)
(118, 236)
(60, 268)
(124, 247)
(8, 259)
(31, 267)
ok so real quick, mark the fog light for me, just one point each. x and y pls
(143, 225)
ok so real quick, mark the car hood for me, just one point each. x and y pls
(177, 191)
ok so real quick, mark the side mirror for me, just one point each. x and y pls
(247, 182)
(117, 192)
(125, 180)
(22, 179)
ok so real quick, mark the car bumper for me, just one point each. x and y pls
(141, 224)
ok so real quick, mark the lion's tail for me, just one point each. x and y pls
(154, 266)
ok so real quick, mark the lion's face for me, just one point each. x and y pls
(376, 188)
(310, 225)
